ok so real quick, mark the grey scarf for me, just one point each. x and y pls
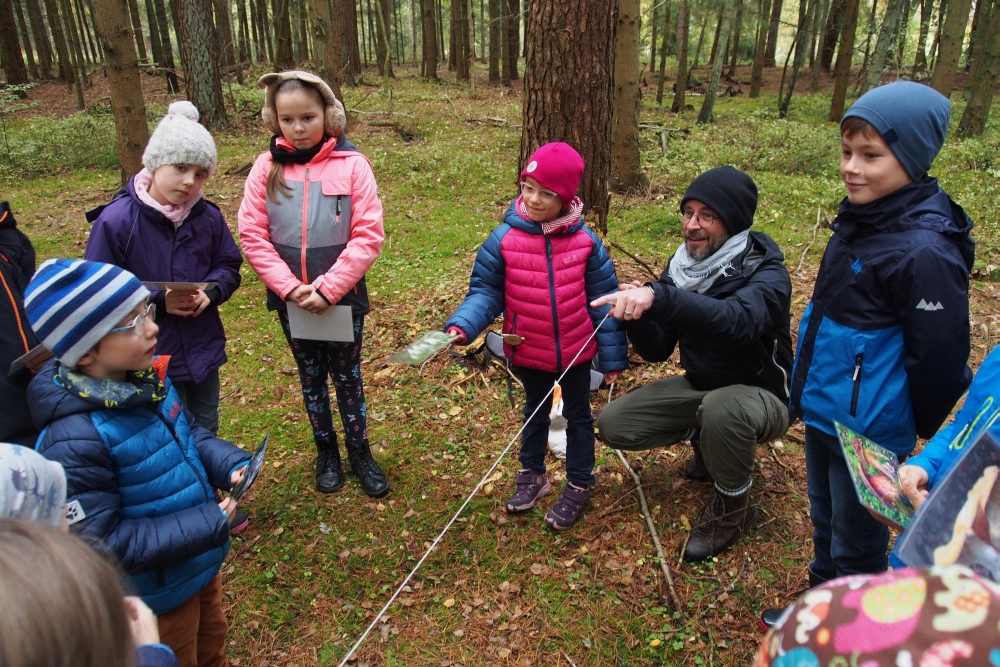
(699, 276)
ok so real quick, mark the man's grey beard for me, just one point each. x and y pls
(709, 250)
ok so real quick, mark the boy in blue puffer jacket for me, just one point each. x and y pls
(139, 472)
(883, 345)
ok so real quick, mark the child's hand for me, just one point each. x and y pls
(182, 303)
(201, 302)
(300, 293)
(612, 377)
(457, 336)
(228, 507)
(237, 475)
(314, 303)
(914, 481)
(141, 622)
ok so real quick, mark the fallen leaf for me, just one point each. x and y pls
(254, 625)
(344, 554)
(455, 410)
(278, 531)
(406, 602)
(654, 643)
(450, 602)
(685, 522)
(459, 633)
(409, 513)
(323, 528)
(442, 415)
(503, 652)
(538, 569)
(569, 563)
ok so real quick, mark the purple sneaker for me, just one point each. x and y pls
(567, 509)
(531, 486)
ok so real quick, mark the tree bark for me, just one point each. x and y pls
(25, 40)
(757, 72)
(977, 111)
(284, 57)
(718, 33)
(920, 59)
(198, 52)
(654, 23)
(979, 22)
(168, 53)
(701, 39)
(680, 88)
(384, 39)
(328, 39)
(568, 88)
(801, 46)
(663, 56)
(842, 71)
(66, 73)
(735, 39)
(127, 103)
(224, 35)
(817, 62)
(834, 25)
(706, 114)
(429, 39)
(349, 19)
(10, 46)
(77, 49)
(140, 42)
(512, 39)
(873, 76)
(154, 35)
(42, 46)
(244, 52)
(495, 43)
(626, 173)
(950, 46)
(772, 34)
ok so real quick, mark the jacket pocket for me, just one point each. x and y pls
(858, 360)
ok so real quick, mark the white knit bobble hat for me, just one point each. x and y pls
(180, 139)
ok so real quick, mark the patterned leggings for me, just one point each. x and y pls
(342, 362)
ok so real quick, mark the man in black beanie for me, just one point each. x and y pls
(724, 298)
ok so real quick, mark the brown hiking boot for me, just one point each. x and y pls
(695, 469)
(720, 524)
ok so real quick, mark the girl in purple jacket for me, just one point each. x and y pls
(542, 267)
(161, 229)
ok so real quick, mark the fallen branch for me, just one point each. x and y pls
(448, 97)
(380, 113)
(490, 120)
(802, 258)
(674, 599)
(636, 259)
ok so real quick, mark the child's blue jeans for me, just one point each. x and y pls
(580, 421)
(846, 538)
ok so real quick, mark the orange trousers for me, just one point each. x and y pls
(196, 631)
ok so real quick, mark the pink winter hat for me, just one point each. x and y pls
(558, 167)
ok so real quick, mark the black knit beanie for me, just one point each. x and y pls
(727, 191)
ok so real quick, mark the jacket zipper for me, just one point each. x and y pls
(305, 223)
(552, 295)
(857, 383)
(170, 428)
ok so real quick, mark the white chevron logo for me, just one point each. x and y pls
(923, 305)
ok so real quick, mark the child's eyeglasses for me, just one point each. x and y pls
(530, 191)
(705, 219)
(138, 325)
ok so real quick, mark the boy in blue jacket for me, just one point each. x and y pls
(883, 345)
(139, 471)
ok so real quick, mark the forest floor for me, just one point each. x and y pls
(310, 573)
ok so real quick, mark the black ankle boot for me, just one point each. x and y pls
(719, 525)
(373, 481)
(329, 476)
(770, 617)
(695, 468)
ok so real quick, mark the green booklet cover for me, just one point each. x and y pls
(422, 348)
(875, 471)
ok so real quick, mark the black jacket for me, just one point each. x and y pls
(735, 333)
(17, 265)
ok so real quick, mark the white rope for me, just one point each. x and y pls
(457, 514)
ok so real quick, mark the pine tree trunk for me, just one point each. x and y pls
(154, 35)
(127, 104)
(680, 88)
(496, 45)
(224, 33)
(801, 47)
(817, 62)
(950, 46)
(430, 39)
(564, 74)
(93, 44)
(66, 73)
(772, 34)
(80, 64)
(329, 41)
(25, 39)
(244, 51)
(876, 64)
(168, 52)
(735, 40)
(757, 73)
(718, 33)
(45, 61)
(977, 111)
(920, 59)
(133, 10)
(665, 43)
(512, 39)
(664, 38)
(626, 173)
(284, 57)
(706, 114)
(198, 45)
(701, 39)
(842, 71)
(349, 20)
(834, 25)
(982, 17)
(384, 47)
(439, 19)
(10, 46)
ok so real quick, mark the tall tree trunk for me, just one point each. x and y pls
(198, 53)
(977, 111)
(77, 49)
(665, 39)
(259, 50)
(680, 88)
(842, 71)
(284, 57)
(935, 46)
(626, 173)
(45, 61)
(801, 47)
(154, 35)
(513, 37)
(701, 39)
(564, 74)
(10, 46)
(329, 41)
(817, 62)
(244, 50)
(757, 73)
(25, 39)
(952, 36)
(429, 39)
(224, 35)
(834, 25)
(873, 76)
(293, 16)
(264, 27)
(66, 67)
(707, 112)
(459, 33)
(920, 59)
(133, 10)
(384, 47)
(168, 54)
(87, 23)
(439, 14)
(496, 14)
(349, 19)
(979, 21)
(718, 33)
(735, 38)
(652, 42)
(127, 103)
(772, 34)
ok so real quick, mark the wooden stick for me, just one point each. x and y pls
(634, 258)
(802, 258)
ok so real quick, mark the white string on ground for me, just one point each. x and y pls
(458, 513)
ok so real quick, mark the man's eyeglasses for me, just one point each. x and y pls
(705, 219)
(138, 325)
(531, 191)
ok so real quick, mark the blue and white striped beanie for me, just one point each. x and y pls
(72, 304)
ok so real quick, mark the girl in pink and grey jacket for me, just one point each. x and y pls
(542, 267)
(311, 225)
